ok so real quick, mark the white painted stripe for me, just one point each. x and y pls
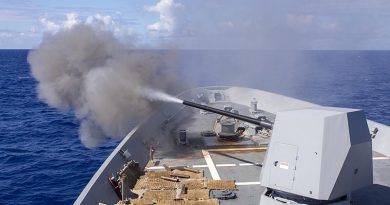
(225, 165)
(161, 167)
(210, 164)
(237, 149)
(380, 158)
(199, 166)
(155, 168)
(245, 164)
(247, 183)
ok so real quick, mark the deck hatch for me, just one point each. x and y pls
(283, 169)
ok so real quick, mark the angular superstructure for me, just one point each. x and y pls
(322, 153)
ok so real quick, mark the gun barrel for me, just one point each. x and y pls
(229, 114)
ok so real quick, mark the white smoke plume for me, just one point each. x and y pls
(275, 25)
(88, 70)
(157, 95)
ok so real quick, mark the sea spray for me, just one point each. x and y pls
(87, 70)
(157, 95)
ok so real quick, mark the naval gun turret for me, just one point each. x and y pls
(317, 156)
(259, 122)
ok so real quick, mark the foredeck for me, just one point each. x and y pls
(242, 161)
(239, 161)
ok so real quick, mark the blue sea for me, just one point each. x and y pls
(42, 160)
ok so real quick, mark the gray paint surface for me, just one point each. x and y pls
(322, 153)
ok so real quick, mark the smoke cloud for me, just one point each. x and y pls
(86, 69)
(255, 44)
(157, 95)
(279, 24)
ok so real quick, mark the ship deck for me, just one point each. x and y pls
(239, 164)
(242, 161)
(239, 161)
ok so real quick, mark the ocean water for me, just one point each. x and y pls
(42, 161)
(41, 158)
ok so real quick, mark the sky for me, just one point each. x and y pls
(206, 24)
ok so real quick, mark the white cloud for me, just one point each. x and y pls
(166, 22)
(106, 22)
(49, 25)
(15, 34)
(101, 21)
(71, 20)
(98, 21)
(53, 27)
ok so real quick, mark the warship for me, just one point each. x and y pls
(235, 145)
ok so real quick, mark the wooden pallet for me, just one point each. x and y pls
(221, 184)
